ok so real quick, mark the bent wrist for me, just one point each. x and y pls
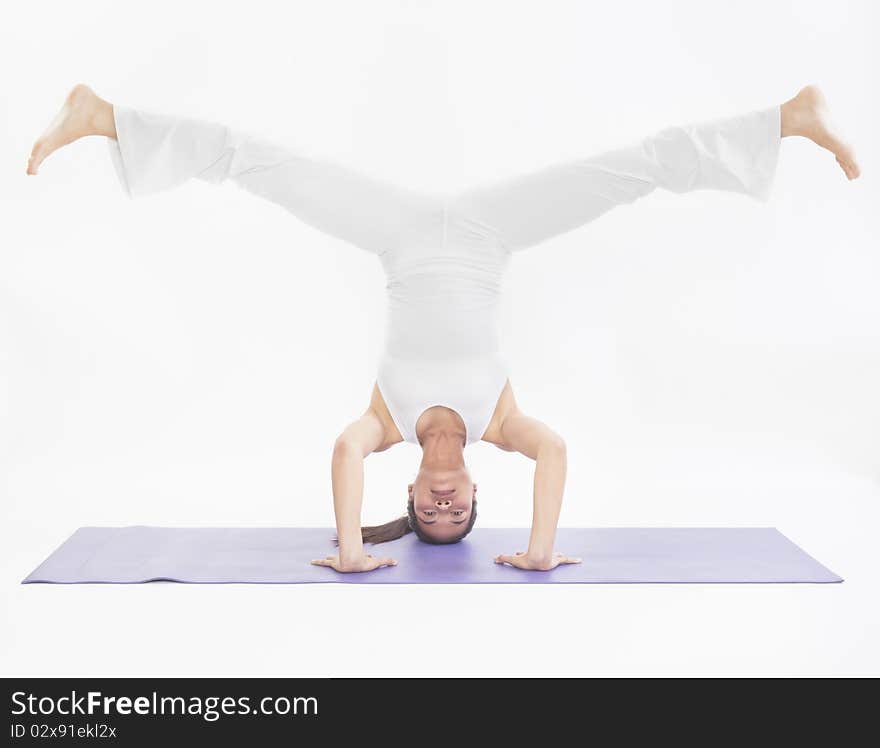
(350, 551)
(540, 557)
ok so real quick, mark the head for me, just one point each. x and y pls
(442, 504)
(441, 508)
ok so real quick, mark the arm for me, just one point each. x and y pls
(359, 439)
(530, 437)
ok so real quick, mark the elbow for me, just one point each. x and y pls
(345, 448)
(554, 447)
(559, 445)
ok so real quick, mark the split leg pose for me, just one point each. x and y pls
(442, 381)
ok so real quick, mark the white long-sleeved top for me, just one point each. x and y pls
(445, 256)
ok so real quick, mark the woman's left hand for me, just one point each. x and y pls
(522, 560)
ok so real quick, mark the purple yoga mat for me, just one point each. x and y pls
(611, 555)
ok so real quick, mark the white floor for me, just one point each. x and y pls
(335, 630)
(168, 630)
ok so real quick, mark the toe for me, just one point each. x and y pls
(38, 153)
(854, 169)
(848, 167)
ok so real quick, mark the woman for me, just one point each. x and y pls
(442, 382)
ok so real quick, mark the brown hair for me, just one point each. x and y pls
(401, 526)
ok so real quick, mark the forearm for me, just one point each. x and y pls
(549, 485)
(358, 440)
(348, 492)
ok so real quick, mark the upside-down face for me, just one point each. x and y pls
(443, 503)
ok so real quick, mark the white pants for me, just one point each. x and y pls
(155, 152)
(445, 256)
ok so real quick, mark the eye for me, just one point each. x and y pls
(458, 513)
(429, 512)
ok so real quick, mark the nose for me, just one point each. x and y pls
(443, 503)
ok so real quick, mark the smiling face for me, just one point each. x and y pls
(443, 501)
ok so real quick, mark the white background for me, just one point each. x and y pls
(188, 359)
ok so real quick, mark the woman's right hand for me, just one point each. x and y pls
(364, 562)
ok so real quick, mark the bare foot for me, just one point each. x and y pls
(83, 113)
(807, 115)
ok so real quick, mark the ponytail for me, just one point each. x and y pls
(392, 530)
(401, 526)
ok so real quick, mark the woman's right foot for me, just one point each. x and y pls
(83, 113)
(807, 115)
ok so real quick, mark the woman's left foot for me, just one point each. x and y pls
(807, 115)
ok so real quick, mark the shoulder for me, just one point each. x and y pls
(504, 409)
(379, 410)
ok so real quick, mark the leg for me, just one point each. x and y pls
(153, 153)
(737, 154)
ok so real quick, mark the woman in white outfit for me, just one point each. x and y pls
(442, 382)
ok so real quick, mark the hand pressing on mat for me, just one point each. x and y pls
(522, 560)
(365, 562)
